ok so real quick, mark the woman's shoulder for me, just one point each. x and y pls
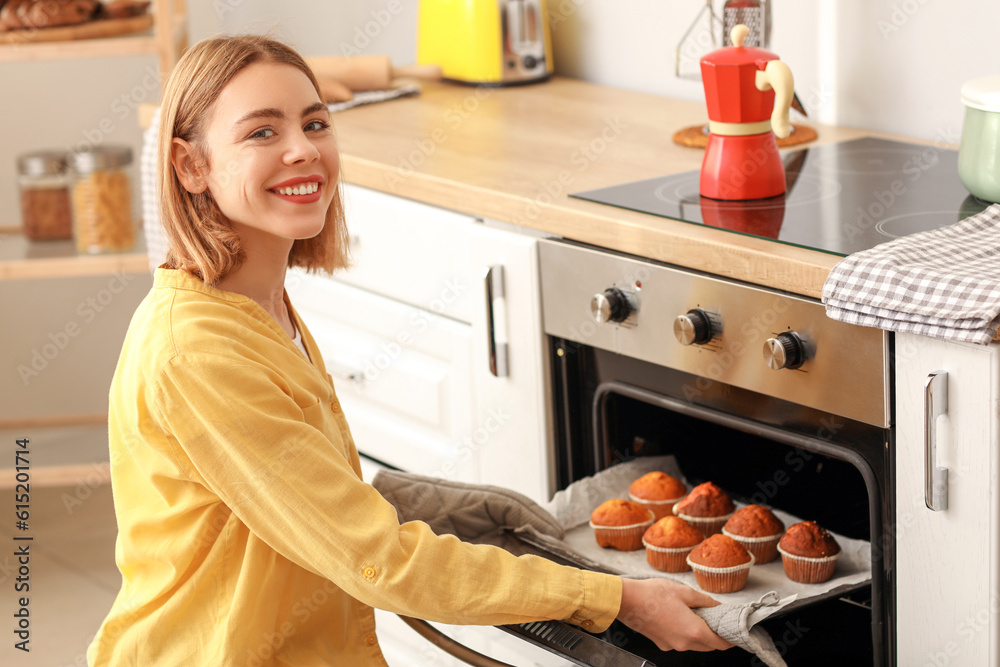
(182, 316)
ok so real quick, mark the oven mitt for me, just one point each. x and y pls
(472, 512)
(729, 621)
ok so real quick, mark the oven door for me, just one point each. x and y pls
(611, 409)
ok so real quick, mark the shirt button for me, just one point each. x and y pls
(588, 624)
(371, 640)
(369, 572)
(335, 406)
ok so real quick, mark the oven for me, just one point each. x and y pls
(753, 389)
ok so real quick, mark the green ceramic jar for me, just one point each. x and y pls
(979, 152)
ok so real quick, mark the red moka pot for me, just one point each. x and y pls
(748, 92)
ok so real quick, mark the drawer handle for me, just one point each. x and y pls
(935, 405)
(497, 351)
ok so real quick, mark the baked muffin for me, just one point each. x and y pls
(658, 491)
(668, 543)
(758, 530)
(707, 508)
(619, 524)
(809, 553)
(720, 564)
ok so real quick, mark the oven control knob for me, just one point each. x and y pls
(786, 350)
(694, 327)
(611, 305)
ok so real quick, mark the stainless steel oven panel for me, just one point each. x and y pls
(845, 371)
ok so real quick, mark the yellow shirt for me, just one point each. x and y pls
(246, 535)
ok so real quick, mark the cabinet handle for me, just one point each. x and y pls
(497, 351)
(935, 405)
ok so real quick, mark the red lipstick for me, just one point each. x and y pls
(315, 178)
(299, 199)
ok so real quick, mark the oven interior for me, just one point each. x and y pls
(611, 408)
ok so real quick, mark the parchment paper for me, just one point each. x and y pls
(572, 507)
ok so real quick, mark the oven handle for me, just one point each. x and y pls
(556, 637)
(935, 477)
(497, 351)
(449, 645)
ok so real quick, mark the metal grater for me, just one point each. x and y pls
(754, 14)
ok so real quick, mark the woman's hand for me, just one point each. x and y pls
(661, 610)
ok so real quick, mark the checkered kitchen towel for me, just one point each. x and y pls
(943, 283)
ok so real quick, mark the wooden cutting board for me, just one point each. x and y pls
(90, 30)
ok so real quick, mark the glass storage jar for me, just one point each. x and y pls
(102, 199)
(45, 204)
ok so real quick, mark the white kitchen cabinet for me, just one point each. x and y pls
(406, 333)
(947, 561)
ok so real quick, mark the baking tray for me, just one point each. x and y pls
(572, 508)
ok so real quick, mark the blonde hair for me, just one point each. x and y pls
(201, 240)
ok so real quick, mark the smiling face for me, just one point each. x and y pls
(272, 156)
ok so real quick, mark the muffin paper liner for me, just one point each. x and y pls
(623, 538)
(764, 549)
(668, 559)
(806, 570)
(661, 508)
(721, 579)
(708, 525)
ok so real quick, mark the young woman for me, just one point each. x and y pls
(246, 535)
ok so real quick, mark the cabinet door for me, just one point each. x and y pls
(408, 251)
(401, 374)
(511, 433)
(947, 600)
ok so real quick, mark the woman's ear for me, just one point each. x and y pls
(190, 169)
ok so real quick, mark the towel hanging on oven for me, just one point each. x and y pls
(943, 283)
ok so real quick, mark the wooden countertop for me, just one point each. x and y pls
(514, 155)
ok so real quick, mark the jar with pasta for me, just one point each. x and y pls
(102, 200)
(45, 206)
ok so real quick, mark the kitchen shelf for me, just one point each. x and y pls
(70, 452)
(21, 259)
(167, 39)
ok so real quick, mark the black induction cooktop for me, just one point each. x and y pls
(841, 197)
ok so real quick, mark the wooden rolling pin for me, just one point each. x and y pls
(367, 72)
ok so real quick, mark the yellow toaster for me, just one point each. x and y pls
(496, 42)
